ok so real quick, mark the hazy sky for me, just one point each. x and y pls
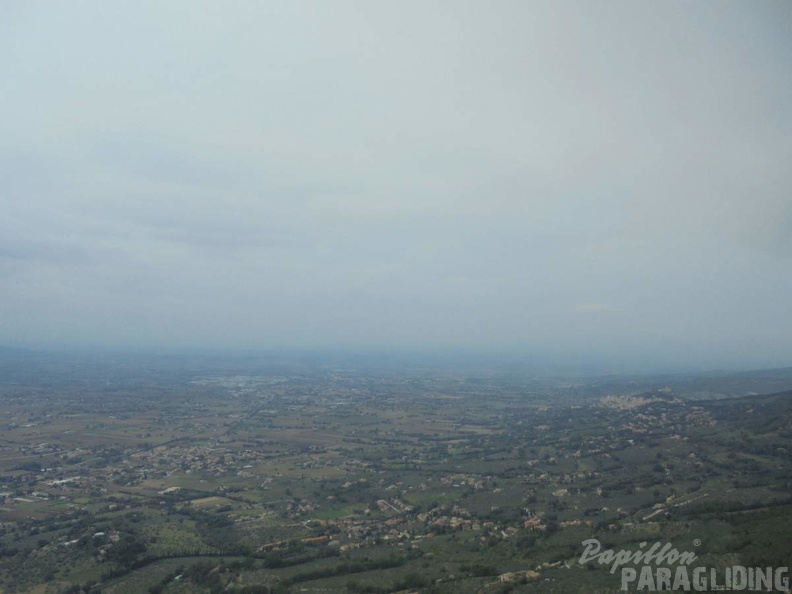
(612, 178)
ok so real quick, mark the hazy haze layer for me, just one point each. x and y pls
(597, 178)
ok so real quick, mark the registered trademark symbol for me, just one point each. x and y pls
(696, 543)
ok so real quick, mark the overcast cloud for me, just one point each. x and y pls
(604, 178)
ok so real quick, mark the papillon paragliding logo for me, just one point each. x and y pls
(661, 567)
